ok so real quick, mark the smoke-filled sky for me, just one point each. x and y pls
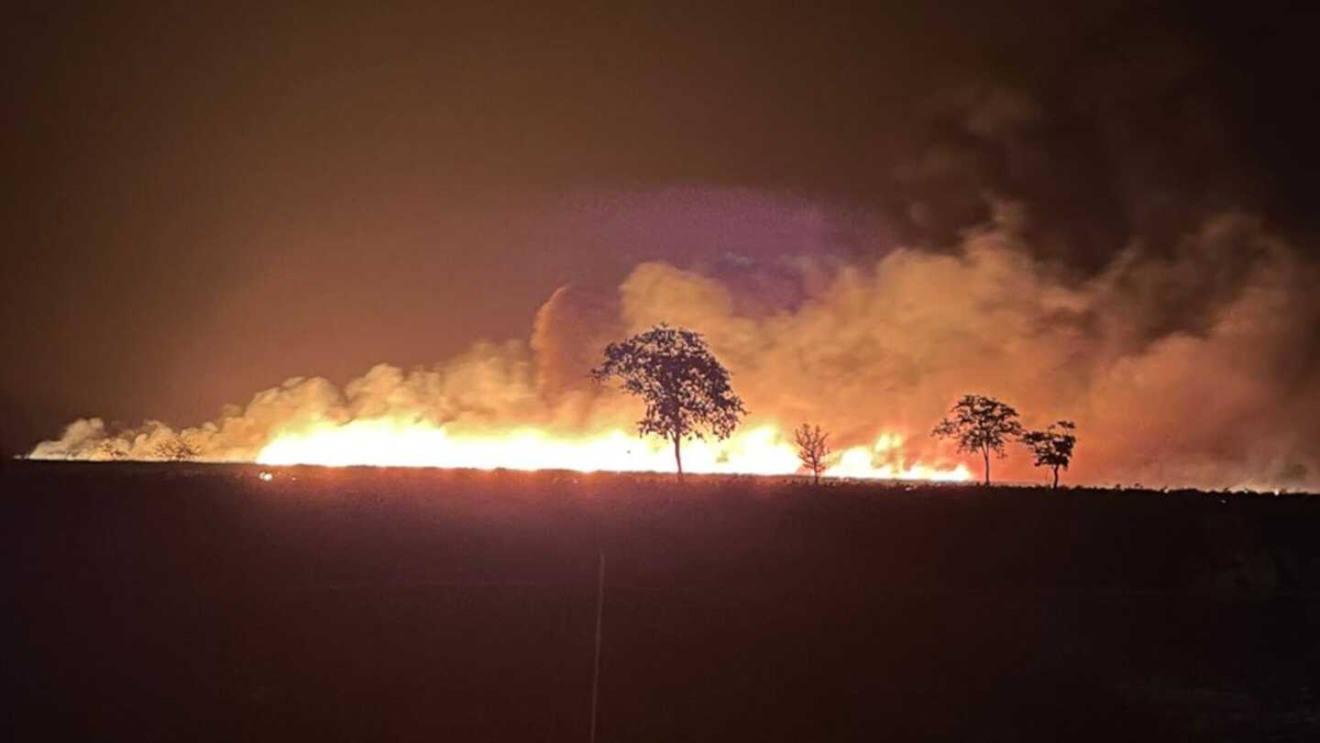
(1091, 210)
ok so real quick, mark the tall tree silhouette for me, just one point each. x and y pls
(685, 388)
(982, 425)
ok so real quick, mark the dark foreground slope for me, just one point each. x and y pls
(172, 603)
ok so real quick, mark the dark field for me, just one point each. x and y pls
(198, 603)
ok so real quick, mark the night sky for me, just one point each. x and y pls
(206, 199)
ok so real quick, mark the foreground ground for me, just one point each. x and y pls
(202, 603)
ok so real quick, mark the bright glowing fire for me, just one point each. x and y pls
(759, 451)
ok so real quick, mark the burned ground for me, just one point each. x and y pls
(173, 602)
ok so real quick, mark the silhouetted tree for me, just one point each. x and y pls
(981, 425)
(813, 449)
(177, 449)
(1052, 447)
(686, 390)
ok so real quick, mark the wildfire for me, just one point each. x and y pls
(759, 451)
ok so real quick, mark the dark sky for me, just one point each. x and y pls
(204, 200)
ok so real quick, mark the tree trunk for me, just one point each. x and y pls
(815, 475)
(986, 454)
(678, 457)
(1056, 477)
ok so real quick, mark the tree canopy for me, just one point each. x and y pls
(980, 425)
(1052, 447)
(687, 392)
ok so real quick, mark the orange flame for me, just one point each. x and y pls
(758, 451)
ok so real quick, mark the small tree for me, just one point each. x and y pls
(1052, 447)
(981, 425)
(813, 449)
(686, 390)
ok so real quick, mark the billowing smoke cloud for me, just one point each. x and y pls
(1197, 368)
(570, 330)
(1185, 364)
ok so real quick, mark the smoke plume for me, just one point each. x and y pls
(1192, 363)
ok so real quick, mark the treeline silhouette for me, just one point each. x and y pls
(688, 395)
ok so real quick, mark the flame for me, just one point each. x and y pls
(762, 450)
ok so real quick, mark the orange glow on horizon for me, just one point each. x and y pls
(761, 450)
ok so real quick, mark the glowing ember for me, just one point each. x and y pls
(758, 451)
